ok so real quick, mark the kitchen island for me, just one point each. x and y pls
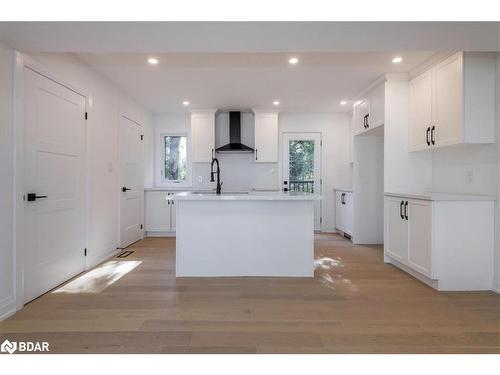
(245, 234)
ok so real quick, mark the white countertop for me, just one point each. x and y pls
(346, 190)
(436, 196)
(250, 196)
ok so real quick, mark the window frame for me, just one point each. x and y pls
(160, 165)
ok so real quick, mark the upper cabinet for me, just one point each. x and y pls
(368, 112)
(202, 136)
(266, 136)
(453, 102)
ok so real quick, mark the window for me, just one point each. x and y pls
(174, 158)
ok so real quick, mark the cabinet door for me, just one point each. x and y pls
(172, 214)
(360, 110)
(448, 105)
(377, 103)
(396, 230)
(339, 211)
(202, 136)
(420, 112)
(266, 137)
(348, 213)
(157, 211)
(420, 236)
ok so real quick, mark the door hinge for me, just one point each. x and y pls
(86, 116)
(141, 226)
(321, 143)
(321, 181)
(320, 220)
(85, 252)
(142, 137)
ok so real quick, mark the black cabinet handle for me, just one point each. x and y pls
(124, 189)
(256, 158)
(427, 136)
(401, 209)
(406, 210)
(367, 122)
(31, 197)
(285, 189)
(433, 141)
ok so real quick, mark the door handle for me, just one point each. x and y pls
(406, 210)
(31, 197)
(427, 136)
(401, 209)
(124, 189)
(433, 141)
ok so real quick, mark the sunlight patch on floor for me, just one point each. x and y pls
(327, 270)
(98, 279)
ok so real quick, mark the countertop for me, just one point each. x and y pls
(250, 196)
(436, 196)
(339, 189)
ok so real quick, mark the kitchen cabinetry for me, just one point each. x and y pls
(202, 136)
(159, 213)
(368, 112)
(266, 137)
(344, 211)
(445, 240)
(453, 102)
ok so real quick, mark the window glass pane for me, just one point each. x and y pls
(175, 158)
(301, 166)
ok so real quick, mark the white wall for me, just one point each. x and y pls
(108, 104)
(7, 282)
(496, 279)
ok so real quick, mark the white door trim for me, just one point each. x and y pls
(22, 61)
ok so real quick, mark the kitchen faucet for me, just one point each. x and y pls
(219, 184)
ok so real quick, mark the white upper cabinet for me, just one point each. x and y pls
(368, 112)
(202, 136)
(453, 102)
(266, 137)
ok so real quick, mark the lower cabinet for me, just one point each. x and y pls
(446, 243)
(343, 211)
(159, 213)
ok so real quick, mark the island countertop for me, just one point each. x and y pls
(246, 196)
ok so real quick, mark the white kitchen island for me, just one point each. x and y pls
(250, 234)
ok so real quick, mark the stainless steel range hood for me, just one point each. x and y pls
(234, 145)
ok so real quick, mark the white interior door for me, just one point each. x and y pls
(302, 166)
(54, 182)
(131, 189)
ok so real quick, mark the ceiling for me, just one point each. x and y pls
(241, 81)
(243, 65)
(249, 36)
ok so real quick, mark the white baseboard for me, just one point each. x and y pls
(7, 308)
(159, 234)
(496, 288)
(101, 256)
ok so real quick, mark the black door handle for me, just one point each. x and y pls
(406, 210)
(427, 136)
(401, 209)
(31, 197)
(124, 189)
(432, 135)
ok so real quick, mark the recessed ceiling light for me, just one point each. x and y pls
(185, 102)
(293, 60)
(276, 102)
(153, 61)
(397, 60)
(343, 102)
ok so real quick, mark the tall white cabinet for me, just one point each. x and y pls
(202, 136)
(453, 102)
(444, 240)
(266, 136)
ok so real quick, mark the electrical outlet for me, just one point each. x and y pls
(469, 177)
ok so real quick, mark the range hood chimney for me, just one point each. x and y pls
(235, 145)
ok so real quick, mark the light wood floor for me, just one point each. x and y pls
(354, 304)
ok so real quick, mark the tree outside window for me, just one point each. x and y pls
(175, 158)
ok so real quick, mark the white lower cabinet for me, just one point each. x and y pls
(446, 241)
(159, 213)
(343, 211)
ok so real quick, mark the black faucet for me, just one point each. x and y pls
(219, 184)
